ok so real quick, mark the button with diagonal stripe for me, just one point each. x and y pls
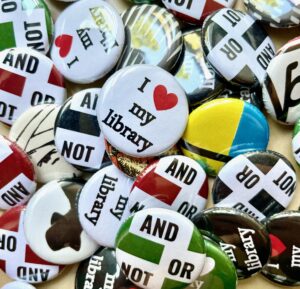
(17, 285)
(260, 183)
(25, 23)
(27, 78)
(17, 181)
(160, 249)
(175, 182)
(17, 259)
(237, 46)
(221, 129)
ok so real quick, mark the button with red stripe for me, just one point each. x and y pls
(17, 181)
(27, 78)
(175, 182)
(16, 257)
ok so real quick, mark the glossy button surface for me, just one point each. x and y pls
(236, 46)
(77, 134)
(153, 36)
(175, 182)
(142, 124)
(260, 183)
(17, 259)
(17, 181)
(163, 246)
(87, 45)
(17, 285)
(195, 74)
(33, 131)
(281, 84)
(26, 23)
(110, 188)
(27, 78)
(242, 238)
(52, 226)
(283, 266)
(221, 129)
(278, 14)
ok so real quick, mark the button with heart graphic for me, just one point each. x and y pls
(88, 44)
(142, 111)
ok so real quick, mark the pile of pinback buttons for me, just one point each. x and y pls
(115, 176)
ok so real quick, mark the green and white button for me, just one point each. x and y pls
(160, 249)
(25, 23)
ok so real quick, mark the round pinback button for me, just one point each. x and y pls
(195, 11)
(158, 248)
(283, 266)
(27, 78)
(103, 204)
(101, 271)
(33, 131)
(26, 23)
(17, 181)
(240, 126)
(195, 74)
(17, 285)
(175, 182)
(218, 270)
(243, 239)
(153, 36)
(52, 226)
(17, 259)
(236, 46)
(260, 183)
(278, 14)
(87, 45)
(296, 142)
(77, 133)
(280, 89)
(142, 123)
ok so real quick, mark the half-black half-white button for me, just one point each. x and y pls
(153, 36)
(283, 266)
(52, 226)
(237, 46)
(279, 13)
(281, 87)
(77, 133)
(242, 238)
(260, 183)
(103, 204)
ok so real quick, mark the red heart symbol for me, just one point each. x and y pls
(277, 245)
(64, 43)
(164, 100)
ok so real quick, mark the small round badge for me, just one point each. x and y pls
(296, 142)
(102, 204)
(77, 134)
(158, 248)
(52, 226)
(278, 14)
(236, 46)
(17, 259)
(26, 23)
(101, 271)
(88, 44)
(142, 123)
(17, 181)
(17, 285)
(27, 78)
(33, 131)
(243, 239)
(260, 183)
(195, 74)
(283, 266)
(195, 11)
(153, 36)
(280, 89)
(221, 129)
(176, 183)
